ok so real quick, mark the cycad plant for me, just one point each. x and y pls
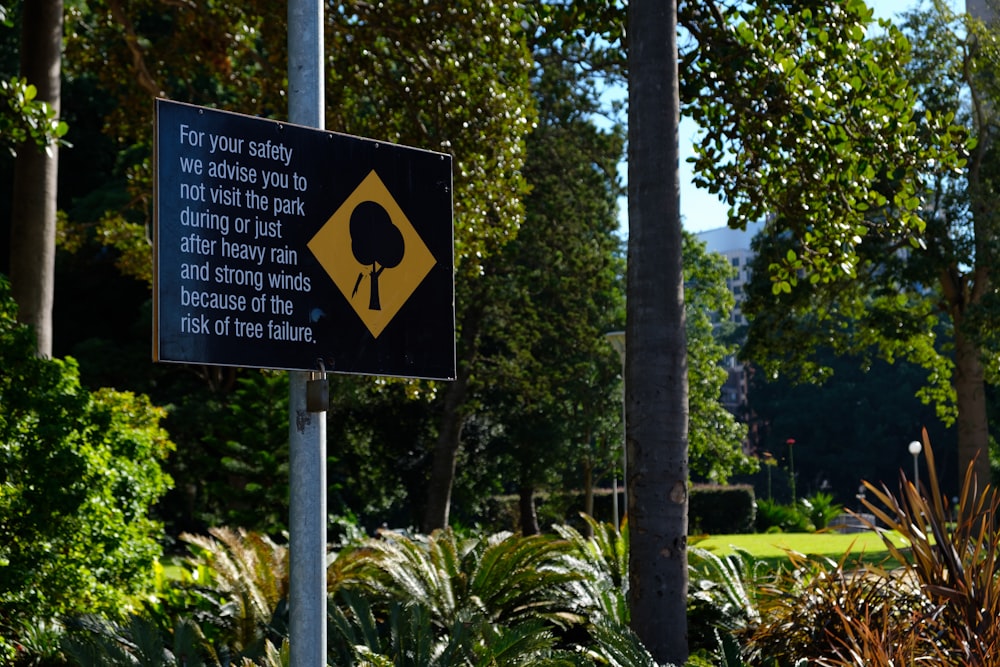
(490, 600)
(503, 578)
(821, 509)
(231, 613)
(98, 642)
(722, 596)
(402, 635)
(602, 562)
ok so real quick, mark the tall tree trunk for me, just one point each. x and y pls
(972, 422)
(656, 359)
(33, 213)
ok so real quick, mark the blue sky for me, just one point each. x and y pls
(702, 210)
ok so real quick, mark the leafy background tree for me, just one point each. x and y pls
(218, 54)
(716, 439)
(474, 102)
(926, 303)
(870, 413)
(555, 290)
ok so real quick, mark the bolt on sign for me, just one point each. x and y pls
(287, 247)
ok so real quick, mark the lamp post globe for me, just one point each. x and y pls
(915, 448)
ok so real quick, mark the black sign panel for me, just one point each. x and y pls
(281, 246)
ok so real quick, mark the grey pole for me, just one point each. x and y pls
(617, 340)
(915, 448)
(307, 429)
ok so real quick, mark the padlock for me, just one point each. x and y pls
(318, 394)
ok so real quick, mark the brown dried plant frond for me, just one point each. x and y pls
(952, 557)
(250, 569)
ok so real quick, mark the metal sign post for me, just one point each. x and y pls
(307, 429)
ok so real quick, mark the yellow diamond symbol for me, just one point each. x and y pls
(372, 253)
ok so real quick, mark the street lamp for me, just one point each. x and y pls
(915, 449)
(617, 340)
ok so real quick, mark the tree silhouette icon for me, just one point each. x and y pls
(375, 241)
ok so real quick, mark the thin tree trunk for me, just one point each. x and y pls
(449, 441)
(656, 363)
(445, 457)
(526, 505)
(33, 211)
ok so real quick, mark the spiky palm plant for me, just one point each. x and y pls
(98, 642)
(273, 656)
(401, 636)
(722, 597)
(616, 645)
(730, 582)
(490, 600)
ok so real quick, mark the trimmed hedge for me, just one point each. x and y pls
(722, 509)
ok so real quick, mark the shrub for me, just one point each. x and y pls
(79, 472)
(805, 610)
(953, 559)
(773, 517)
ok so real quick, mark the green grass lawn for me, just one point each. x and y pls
(774, 547)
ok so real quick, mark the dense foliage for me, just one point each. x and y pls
(443, 76)
(79, 473)
(870, 413)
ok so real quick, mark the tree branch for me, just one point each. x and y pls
(144, 78)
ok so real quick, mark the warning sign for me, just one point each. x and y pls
(280, 246)
(370, 248)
